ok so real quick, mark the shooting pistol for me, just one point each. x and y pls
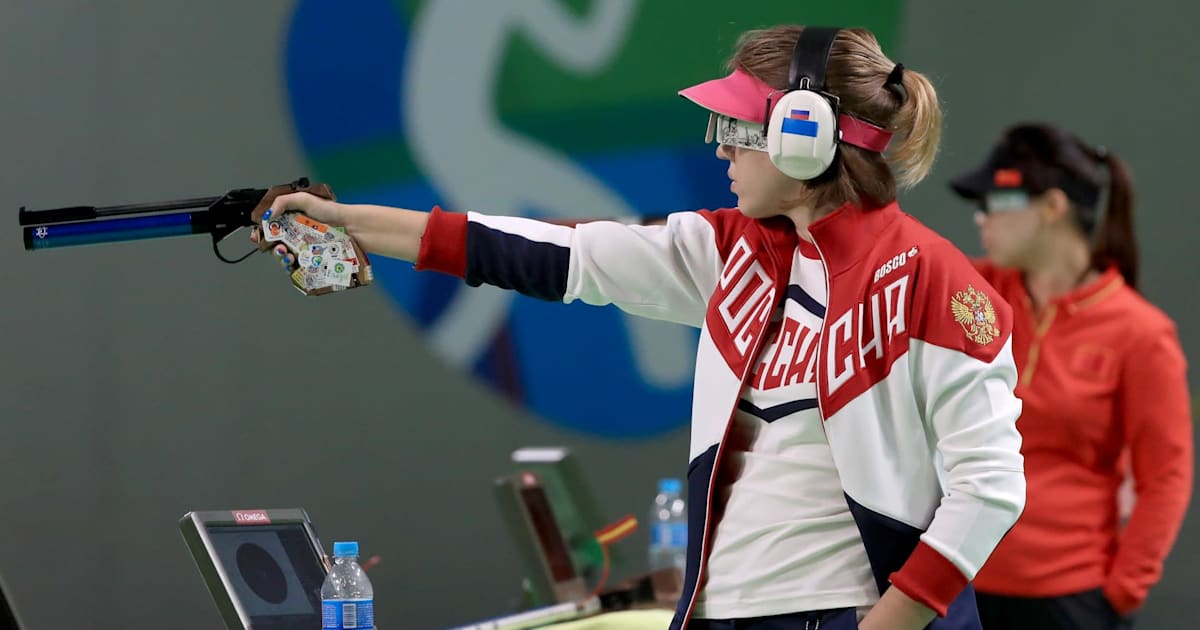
(326, 258)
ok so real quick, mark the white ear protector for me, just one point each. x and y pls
(802, 131)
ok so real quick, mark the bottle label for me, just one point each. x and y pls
(347, 614)
(670, 535)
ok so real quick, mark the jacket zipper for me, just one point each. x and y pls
(821, 342)
(712, 480)
(1035, 347)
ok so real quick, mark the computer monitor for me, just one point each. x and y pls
(263, 568)
(575, 508)
(543, 551)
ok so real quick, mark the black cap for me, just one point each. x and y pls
(1035, 158)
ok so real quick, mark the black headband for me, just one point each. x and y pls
(895, 83)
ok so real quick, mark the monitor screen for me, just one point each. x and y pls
(575, 509)
(553, 546)
(274, 572)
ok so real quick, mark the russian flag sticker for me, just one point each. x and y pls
(797, 123)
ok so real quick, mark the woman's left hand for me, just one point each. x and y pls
(897, 611)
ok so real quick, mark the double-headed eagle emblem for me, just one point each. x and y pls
(973, 311)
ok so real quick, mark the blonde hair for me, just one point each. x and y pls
(856, 74)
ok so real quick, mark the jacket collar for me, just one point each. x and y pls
(843, 236)
(847, 234)
(1091, 293)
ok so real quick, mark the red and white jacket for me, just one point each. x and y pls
(915, 371)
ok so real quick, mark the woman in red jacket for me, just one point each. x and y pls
(1102, 378)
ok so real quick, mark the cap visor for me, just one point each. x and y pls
(738, 95)
(972, 185)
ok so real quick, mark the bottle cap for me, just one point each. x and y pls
(344, 549)
(668, 486)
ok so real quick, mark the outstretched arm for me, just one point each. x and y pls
(660, 271)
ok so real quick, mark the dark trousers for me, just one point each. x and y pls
(1088, 610)
(837, 619)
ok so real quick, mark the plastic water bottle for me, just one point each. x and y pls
(668, 527)
(347, 599)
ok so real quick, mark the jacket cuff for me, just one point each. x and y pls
(1122, 602)
(929, 578)
(444, 243)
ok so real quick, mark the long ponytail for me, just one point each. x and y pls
(1115, 242)
(919, 121)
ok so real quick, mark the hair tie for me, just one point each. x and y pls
(895, 83)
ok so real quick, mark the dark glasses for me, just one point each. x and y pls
(1003, 201)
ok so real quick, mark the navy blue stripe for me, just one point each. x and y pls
(771, 414)
(801, 297)
(700, 472)
(514, 262)
(889, 543)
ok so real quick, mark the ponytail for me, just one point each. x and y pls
(919, 122)
(1115, 242)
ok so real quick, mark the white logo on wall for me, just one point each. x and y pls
(475, 163)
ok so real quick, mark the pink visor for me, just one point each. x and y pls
(744, 97)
